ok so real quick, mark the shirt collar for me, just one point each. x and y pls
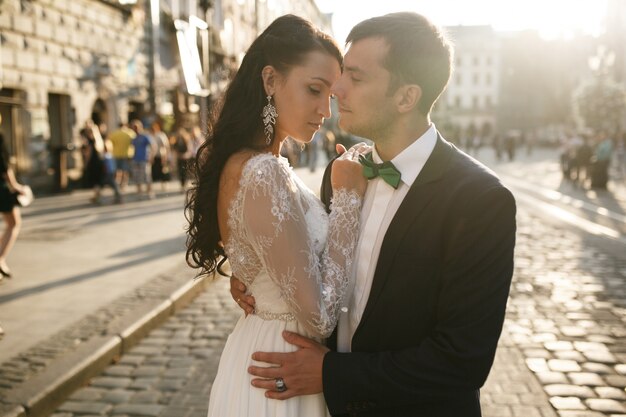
(412, 159)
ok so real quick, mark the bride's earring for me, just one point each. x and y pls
(269, 115)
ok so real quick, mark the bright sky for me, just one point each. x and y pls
(552, 18)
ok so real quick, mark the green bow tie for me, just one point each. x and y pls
(387, 171)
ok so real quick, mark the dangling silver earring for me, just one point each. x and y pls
(269, 115)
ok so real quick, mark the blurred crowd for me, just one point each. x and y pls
(587, 158)
(321, 149)
(136, 155)
(141, 156)
(505, 146)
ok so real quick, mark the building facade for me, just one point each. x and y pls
(467, 107)
(65, 62)
(517, 83)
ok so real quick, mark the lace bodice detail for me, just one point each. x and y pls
(280, 232)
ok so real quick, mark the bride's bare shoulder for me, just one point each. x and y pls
(235, 165)
(237, 161)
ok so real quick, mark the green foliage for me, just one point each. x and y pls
(600, 103)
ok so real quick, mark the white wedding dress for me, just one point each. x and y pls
(294, 258)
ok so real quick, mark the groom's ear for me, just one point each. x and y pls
(269, 76)
(407, 97)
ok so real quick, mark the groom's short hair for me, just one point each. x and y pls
(419, 52)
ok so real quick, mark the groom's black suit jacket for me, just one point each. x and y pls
(428, 335)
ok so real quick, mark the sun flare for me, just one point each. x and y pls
(552, 18)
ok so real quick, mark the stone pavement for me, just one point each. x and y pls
(567, 310)
(567, 314)
(562, 353)
(88, 282)
(169, 373)
(542, 169)
(73, 258)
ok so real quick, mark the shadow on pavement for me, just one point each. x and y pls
(152, 251)
(83, 203)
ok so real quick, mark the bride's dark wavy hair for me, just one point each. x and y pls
(239, 126)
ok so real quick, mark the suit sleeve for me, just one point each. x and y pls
(458, 355)
(326, 190)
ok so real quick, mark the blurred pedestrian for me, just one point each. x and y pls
(531, 138)
(497, 146)
(103, 129)
(510, 146)
(620, 154)
(121, 141)
(197, 139)
(566, 151)
(329, 145)
(160, 164)
(582, 161)
(9, 207)
(477, 143)
(313, 148)
(109, 172)
(182, 148)
(93, 168)
(601, 161)
(144, 151)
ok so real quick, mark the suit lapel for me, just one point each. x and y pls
(418, 198)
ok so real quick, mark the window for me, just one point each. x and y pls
(475, 102)
(488, 79)
(488, 103)
(457, 101)
(476, 79)
(476, 61)
(458, 79)
(458, 61)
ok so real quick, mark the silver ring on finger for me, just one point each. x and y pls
(280, 385)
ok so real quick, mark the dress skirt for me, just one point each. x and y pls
(232, 394)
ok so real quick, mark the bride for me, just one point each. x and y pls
(293, 256)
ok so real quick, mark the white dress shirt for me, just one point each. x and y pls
(380, 203)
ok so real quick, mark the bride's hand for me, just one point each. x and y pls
(347, 171)
(238, 292)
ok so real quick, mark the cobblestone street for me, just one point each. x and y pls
(563, 351)
(567, 313)
(127, 126)
(170, 372)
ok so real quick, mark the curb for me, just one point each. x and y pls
(41, 395)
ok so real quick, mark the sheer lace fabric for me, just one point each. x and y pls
(293, 256)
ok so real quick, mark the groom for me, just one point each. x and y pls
(435, 253)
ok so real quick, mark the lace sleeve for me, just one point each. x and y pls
(312, 286)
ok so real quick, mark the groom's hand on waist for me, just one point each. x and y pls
(301, 370)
